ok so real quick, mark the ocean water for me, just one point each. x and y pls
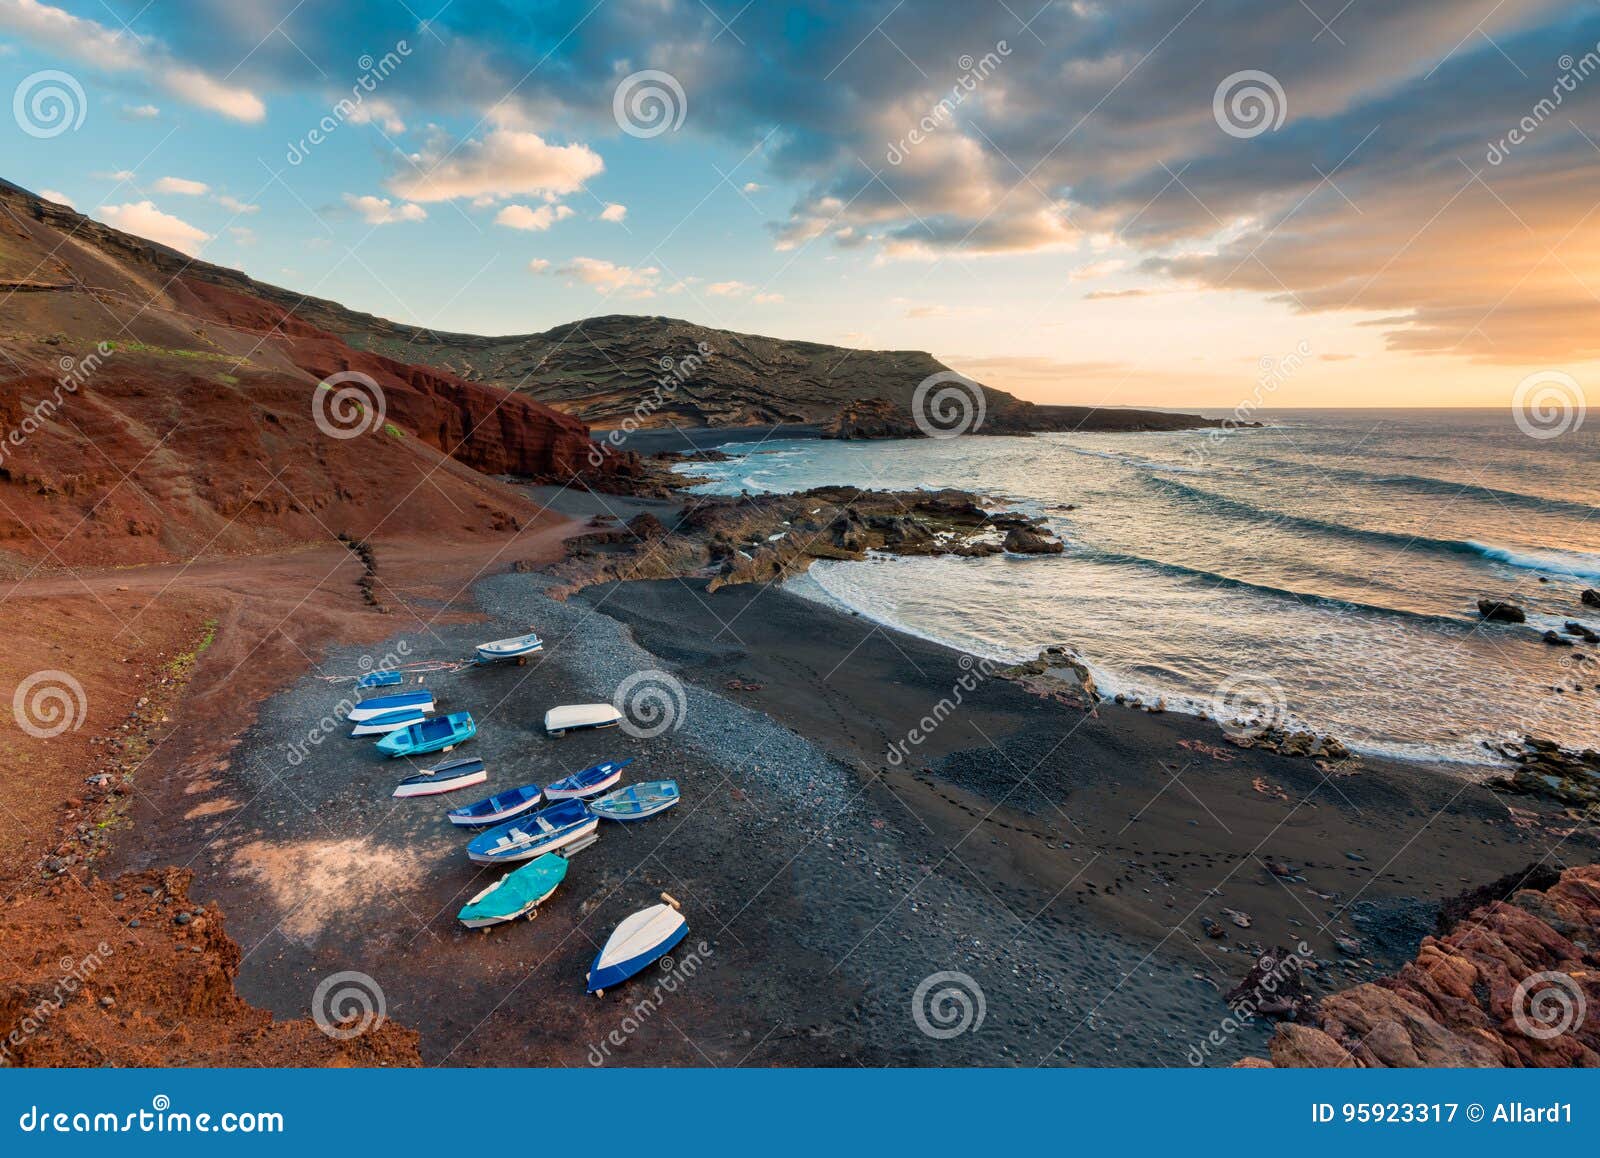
(1322, 571)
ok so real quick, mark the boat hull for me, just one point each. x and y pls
(383, 705)
(603, 977)
(386, 723)
(438, 787)
(553, 793)
(517, 894)
(466, 819)
(637, 802)
(509, 648)
(421, 739)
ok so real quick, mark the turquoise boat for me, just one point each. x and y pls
(636, 801)
(515, 894)
(439, 734)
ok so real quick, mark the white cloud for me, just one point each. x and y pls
(613, 212)
(538, 265)
(237, 206)
(96, 45)
(764, 299)
(58, 198)
(141, 112)
(1097, 269)
(752, 187)
(119, 176)
(505, 163)
(378, 112)
(382, 211)
(145, 220)
(536, 220)
(727, 289)
(607, 278)
(181, 186)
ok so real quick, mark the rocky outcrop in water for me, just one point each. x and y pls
(758, 538)
(1545, 769)
(1498, 611)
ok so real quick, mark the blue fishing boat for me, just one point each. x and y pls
(515, 894)
(588, 782)
(439, 734)
(639, 941)
(500, 807)
(380, 679)
(388, 722)
(534, 835)
(636, 801)
(445, 778)
(380, 705)
(517, 647)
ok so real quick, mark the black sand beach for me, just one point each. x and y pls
(1060, 862)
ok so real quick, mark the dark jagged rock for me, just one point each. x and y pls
(1591, 597)
(1545, 769)
(1499, 611)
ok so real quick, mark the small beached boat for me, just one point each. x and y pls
(380, 679)
(500, 807)
(388, 722)
(514, 648)
(641, 939)
(444, 778)
(636, 801)
(588, 782)
(572, 717)
(526, 837)
(439, 734)
(515, 894)
(421, 701)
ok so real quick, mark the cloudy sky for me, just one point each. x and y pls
(1080, 201)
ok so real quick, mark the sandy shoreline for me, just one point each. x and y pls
(1061, 862)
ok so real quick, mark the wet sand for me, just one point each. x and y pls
(1060, 862)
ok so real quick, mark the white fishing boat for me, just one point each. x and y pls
(517, 647)
(641, 939)
(575, 717)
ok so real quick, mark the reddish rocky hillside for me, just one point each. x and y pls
(1514, 983)
(154, 408)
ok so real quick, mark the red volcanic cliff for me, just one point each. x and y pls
(492, 430)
